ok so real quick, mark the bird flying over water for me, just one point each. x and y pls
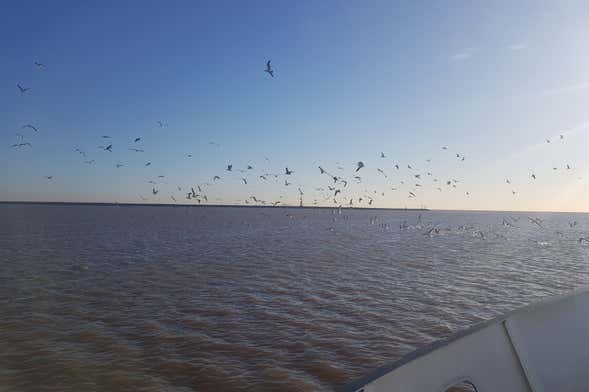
(19, 145)
(269, 69)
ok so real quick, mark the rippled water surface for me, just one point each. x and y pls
(96, 298)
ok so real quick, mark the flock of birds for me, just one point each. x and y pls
(337, 185)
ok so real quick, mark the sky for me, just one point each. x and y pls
(489, 80)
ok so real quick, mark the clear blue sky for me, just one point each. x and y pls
(491, 81)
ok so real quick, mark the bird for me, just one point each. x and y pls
(507, 181)
(39, 65)
(561, 137)
(160, 124)
(382, 155)
(244, 181)
(19, 145)
(418, 176)
(89, 162)
(173, 198)
(154, 191)
(547, 140)
(360, 165)
(106, 137)
(137, 150)
(409, 167)
(229, 167)
(536, 221)
(82, 153)
(249, 167)
(108, 148)
(444, 147)
(382, 172)
(136, 139)
(397, 166)
(321, 170)
(30, 126)
(148, 163)
(534, 176)
(161, 176)
(288, 172)
(269, 69)
(23, 89)
(301, 192)
(568, 167)
(216, 178)
(286, 183)
(49, 177)
(118, 165)
(411, 194)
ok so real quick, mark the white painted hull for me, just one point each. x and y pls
(541, 348)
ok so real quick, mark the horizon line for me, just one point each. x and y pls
(130, 204)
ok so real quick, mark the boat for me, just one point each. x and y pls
(540, 348)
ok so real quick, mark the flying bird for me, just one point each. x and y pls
(19, 145)
(288, 172)
(39, 65)
(229, 167)
(160, 124)
(269, 69)
(137, 150)
(216, 178)
(148, 163)
(118, 165)
(382, 155)
(534, 176)
(360, 165)
(108, 148)
(154, 191)
(244, 181)
(136, 139)
(49, 177)
(106, 137)
(23, 89)
(30, 126)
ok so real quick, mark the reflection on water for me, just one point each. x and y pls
(155, 298)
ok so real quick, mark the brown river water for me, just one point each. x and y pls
(130, 298)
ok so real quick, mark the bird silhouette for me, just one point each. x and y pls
(269, 69)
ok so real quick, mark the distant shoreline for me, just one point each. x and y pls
(81, 203)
